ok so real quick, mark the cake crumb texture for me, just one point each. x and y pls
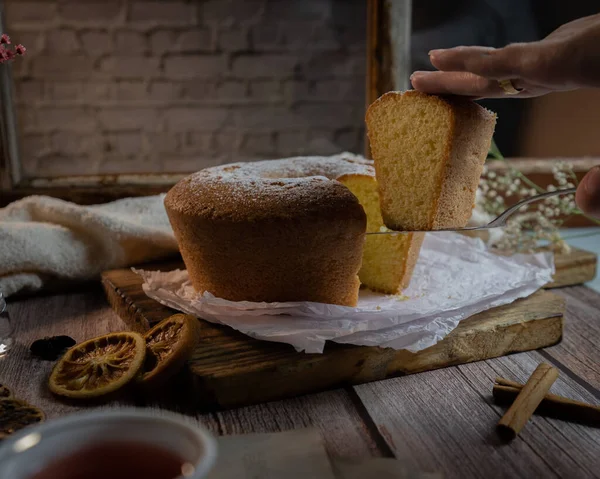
(429, 153)
(388, 261)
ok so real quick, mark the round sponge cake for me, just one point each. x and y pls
(272, 231)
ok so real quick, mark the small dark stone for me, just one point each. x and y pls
(51, 348)
(5, 392)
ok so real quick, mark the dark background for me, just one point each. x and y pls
(493, 23)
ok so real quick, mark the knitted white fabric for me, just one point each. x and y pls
(43, 239)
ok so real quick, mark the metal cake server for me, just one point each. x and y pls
(499, 222)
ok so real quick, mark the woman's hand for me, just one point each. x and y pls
(567, 59)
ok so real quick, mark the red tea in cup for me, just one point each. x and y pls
(126, 443)
(117, 460)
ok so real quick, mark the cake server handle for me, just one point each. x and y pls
(498, 222)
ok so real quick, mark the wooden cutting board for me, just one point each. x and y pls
(230, 369)
(576, 267)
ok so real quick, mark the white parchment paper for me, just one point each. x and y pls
(455, 277)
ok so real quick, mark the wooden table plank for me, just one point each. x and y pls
(86, 315)
(442, 420)
(332, 412)
(439, 421)
(336, 413)
(446, 419)
(80, 316)
(576, 267)
(579, 351)
(461, 397)
(567, 447)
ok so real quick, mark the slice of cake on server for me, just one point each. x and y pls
(429, 153)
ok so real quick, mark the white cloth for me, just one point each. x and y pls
(43, 239)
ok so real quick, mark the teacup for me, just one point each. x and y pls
(138, 442)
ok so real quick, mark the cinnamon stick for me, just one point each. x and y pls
(527, 400)
(558, 407)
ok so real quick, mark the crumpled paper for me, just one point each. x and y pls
(455, 277)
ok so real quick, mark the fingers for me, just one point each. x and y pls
(498, 64)
(468, 84)
(455, 83)
(588, 193)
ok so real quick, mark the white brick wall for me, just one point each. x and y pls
(177, 85)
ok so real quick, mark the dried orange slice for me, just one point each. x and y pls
(98, 366)
(4, 392)
(168, 346)
(16, 414)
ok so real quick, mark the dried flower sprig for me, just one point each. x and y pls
(7, 54)
(535, 225)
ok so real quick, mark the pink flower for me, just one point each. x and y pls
(6, 54)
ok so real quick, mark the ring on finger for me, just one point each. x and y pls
(509, 87)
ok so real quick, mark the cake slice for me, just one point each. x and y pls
(429, 153)
(388, 261)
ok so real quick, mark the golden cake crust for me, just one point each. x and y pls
(473, 128)
(288, 188)
(278, 230)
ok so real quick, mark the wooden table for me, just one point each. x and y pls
(442, 420)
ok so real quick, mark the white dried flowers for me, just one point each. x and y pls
(536, 225)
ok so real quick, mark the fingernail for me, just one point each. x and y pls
(434, 52)
(419, 73)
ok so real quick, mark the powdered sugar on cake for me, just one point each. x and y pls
(248, 183)
(289, 170)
